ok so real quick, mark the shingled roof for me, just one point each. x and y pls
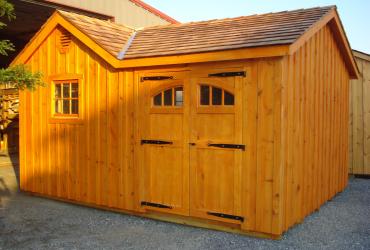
(280, 28)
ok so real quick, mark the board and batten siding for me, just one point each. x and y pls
(88, 162)
(314, 126)
(124, 11)
(92, 162)
(359, 122)
(295, 113)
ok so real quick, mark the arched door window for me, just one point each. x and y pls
(172, 97)
(214, 96)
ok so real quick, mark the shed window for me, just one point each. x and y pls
(172, 97)
(213, 96)
(66, 98)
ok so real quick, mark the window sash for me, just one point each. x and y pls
(61, 98)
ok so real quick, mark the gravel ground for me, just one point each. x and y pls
(35, 223)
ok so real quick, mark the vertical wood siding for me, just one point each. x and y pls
(359, 122)
(268, 185)
(295, 129)
(315, 112)
(80, 162)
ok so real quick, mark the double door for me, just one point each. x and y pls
(190, 144)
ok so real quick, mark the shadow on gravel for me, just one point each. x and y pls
(4, 191)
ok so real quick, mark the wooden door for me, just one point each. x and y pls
(163, 134)
(216, 148)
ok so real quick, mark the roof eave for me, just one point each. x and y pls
(332, 19)
(55, 20)
(155, 11)
(214, 56)
(362, 55)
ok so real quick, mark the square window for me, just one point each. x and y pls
(66, 98)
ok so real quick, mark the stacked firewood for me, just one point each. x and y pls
(9, 104)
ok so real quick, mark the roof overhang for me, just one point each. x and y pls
(332, 19)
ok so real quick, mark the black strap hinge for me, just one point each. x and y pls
(151, 204)
(156, 78)
(229, 74)
(156, 142)
(227, 216)
(231, 146)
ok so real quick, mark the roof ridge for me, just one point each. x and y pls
(328, 7)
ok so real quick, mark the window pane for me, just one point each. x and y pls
(58, 90)
(228, 98)
(58, 106)
(204, 95)
(74, 106)
(157, 100)
(168, 97)
(74, 90)
(66, 90)
(179, 96)
(65, 106)
(216, 96)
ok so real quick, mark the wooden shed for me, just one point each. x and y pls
(359, 129)
(237, 124)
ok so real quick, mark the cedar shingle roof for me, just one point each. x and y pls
(224, 34)
(110, 36)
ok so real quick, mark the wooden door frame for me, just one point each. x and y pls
(250, 93)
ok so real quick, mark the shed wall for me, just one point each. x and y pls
(315, 112)
(90, 161)
(359, 122)
(296, 157)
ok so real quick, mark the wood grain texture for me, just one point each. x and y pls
(77, 161)
(359, 121)
(315, 104)
(291, 112)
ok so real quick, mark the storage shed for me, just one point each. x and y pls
(359, 129)
(237, 124)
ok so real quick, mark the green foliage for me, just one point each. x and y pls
(5, 46)
(21, 77)
(6, 11)
(18, 76)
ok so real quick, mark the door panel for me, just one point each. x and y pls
(190, 161)
(164, 149)
(215, 165)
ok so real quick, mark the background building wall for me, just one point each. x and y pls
(359, 122)
(124, 11)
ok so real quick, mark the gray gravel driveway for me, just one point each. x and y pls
(35, 223)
